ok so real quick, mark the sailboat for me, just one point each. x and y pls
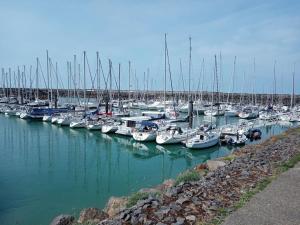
(203, 140)
(174, 134)
(146, 132)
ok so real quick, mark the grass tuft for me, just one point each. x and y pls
(189, 175)
(229, 157)
(289, 164)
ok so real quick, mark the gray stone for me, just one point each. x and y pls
(182, 200)
(63, 220)
(191, 218)
(169, 219)
(180, 220)
(214, 164)
(159, 215)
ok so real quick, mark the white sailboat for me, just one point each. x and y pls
(129, 124)
(78, 123)
(94, 125)
(203, 140)
(173, 135)
(248, 113)
(147, 132)
(65, 120)
(110, 127)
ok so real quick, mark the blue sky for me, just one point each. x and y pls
(134, 30)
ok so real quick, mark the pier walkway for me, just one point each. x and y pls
(277, 204)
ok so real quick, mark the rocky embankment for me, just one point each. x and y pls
(222, 184)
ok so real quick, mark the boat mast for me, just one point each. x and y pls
(233, 78)
(110, 80)
(181, 74)
(75, 80)
(293, 90)
(68, 70)
(190, 61)
(148, 73)
(119, 88)
(190, 101)
(129, 69)
(217, 84)
(254, 101)
(274, 87)
(84, 79)
(56, 74)
(37, 78)
(165, 80)
(51, 81)
(3, 82)
(9, 72)
(97, 77)
(48, 81)
(221, 77)
(19, 85)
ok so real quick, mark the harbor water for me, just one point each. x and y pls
(47, 170)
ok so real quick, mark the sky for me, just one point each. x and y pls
(265, 32)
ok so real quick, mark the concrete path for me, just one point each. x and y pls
(277, 204)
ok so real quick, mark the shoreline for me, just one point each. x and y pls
(206, 194)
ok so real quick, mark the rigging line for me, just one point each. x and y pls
(59, 79)
(170, 75)
(90, 73)
(41, 69)
(101, 69)
(113, 72)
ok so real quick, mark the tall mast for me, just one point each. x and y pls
(3, 82)
(129, 70)
(56, 74)
(19, 86)
(254, 83)
(217, 84)
(48, 80)
(110, 79)
(9, 72)
(165, 80)
(75, 79)
(68, 70)
(233, 77)
(119, 88)
(148, 73)
(221, 77)
(274, 76)
(293, 93)
(37, 78)
(202, 85)
(51, 81)
(97, 77)
(84, 78)
(190, 60)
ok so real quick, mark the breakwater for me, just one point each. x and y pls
(244, 98)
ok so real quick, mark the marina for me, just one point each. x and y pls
(65, 169)
(149, 112)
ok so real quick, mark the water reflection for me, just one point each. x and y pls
(42, 164)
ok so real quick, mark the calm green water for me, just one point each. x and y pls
(46, 170)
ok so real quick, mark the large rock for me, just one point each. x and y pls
(115, 205)
(92, 215)
(214, 164)
(63, 220)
